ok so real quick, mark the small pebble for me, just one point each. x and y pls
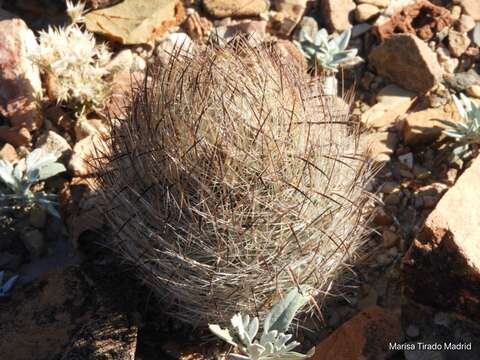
(412, 331)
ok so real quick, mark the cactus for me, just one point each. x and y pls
(231, 180)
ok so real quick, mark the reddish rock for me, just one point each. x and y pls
(407, 61)
(422, 19)
(442, 266)
(365, 336)
(19, 80)
(336, 13)
(197, 27)
(15, 137)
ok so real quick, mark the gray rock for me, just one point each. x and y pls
(33, 241)
(309, 25)
(476, 34)
(462, 81)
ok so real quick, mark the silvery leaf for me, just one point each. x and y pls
(252, 329)
(459, 107)
(223, 334)
(238, 357)
(283, 312)
(343, 39)
(5, 288)
(255, 351)
(45, 171)
(6, 174)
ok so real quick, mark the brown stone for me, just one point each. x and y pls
(442, 266)
(292, 11)
(380, 145)
(422, 127)
(336, 13)
(197, 27)
(392, 102)
(407, 61)
(421, 18)
(365, 336)
(20, 82)
(15, 137)
(288, 53)
(226, 8)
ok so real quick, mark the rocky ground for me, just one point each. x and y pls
(420, 279)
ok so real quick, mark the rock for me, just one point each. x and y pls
(422, 18)
(462, 81)
(381, 145)
(360, 29)
(255, 29)
(472, 8)
(83, 153)
(465, 24)
(476, 34)
(63, 315)
(442, 266)
(85, 127)
(390, 239)
(179, 42)
(406, 160)
(226, 8)
(15, 137)
(33, 241)
(10, 261)
(289, 53)
(365, 336)
(293, 11)
(393, 102)
(51, 142)
(365, 12)
(458, 42)
(408, 62)
(20, 82)
(335, 14)
(38, 217)
(8, 153)
(456, 12)
(422, 127)
(100, 4)
(472, 91)
(378, 3)
(197, 27)
(448, 63)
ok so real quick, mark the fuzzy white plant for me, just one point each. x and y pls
(75, 63)
(273, 343)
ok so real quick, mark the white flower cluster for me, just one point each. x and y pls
(75, 62)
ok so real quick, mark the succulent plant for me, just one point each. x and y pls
(37, 166)
(273, 343)
(229, 173)
(468, 131)
(327, 51)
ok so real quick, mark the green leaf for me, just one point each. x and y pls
(283, 312)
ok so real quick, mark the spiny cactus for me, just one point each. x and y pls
(231, 180)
